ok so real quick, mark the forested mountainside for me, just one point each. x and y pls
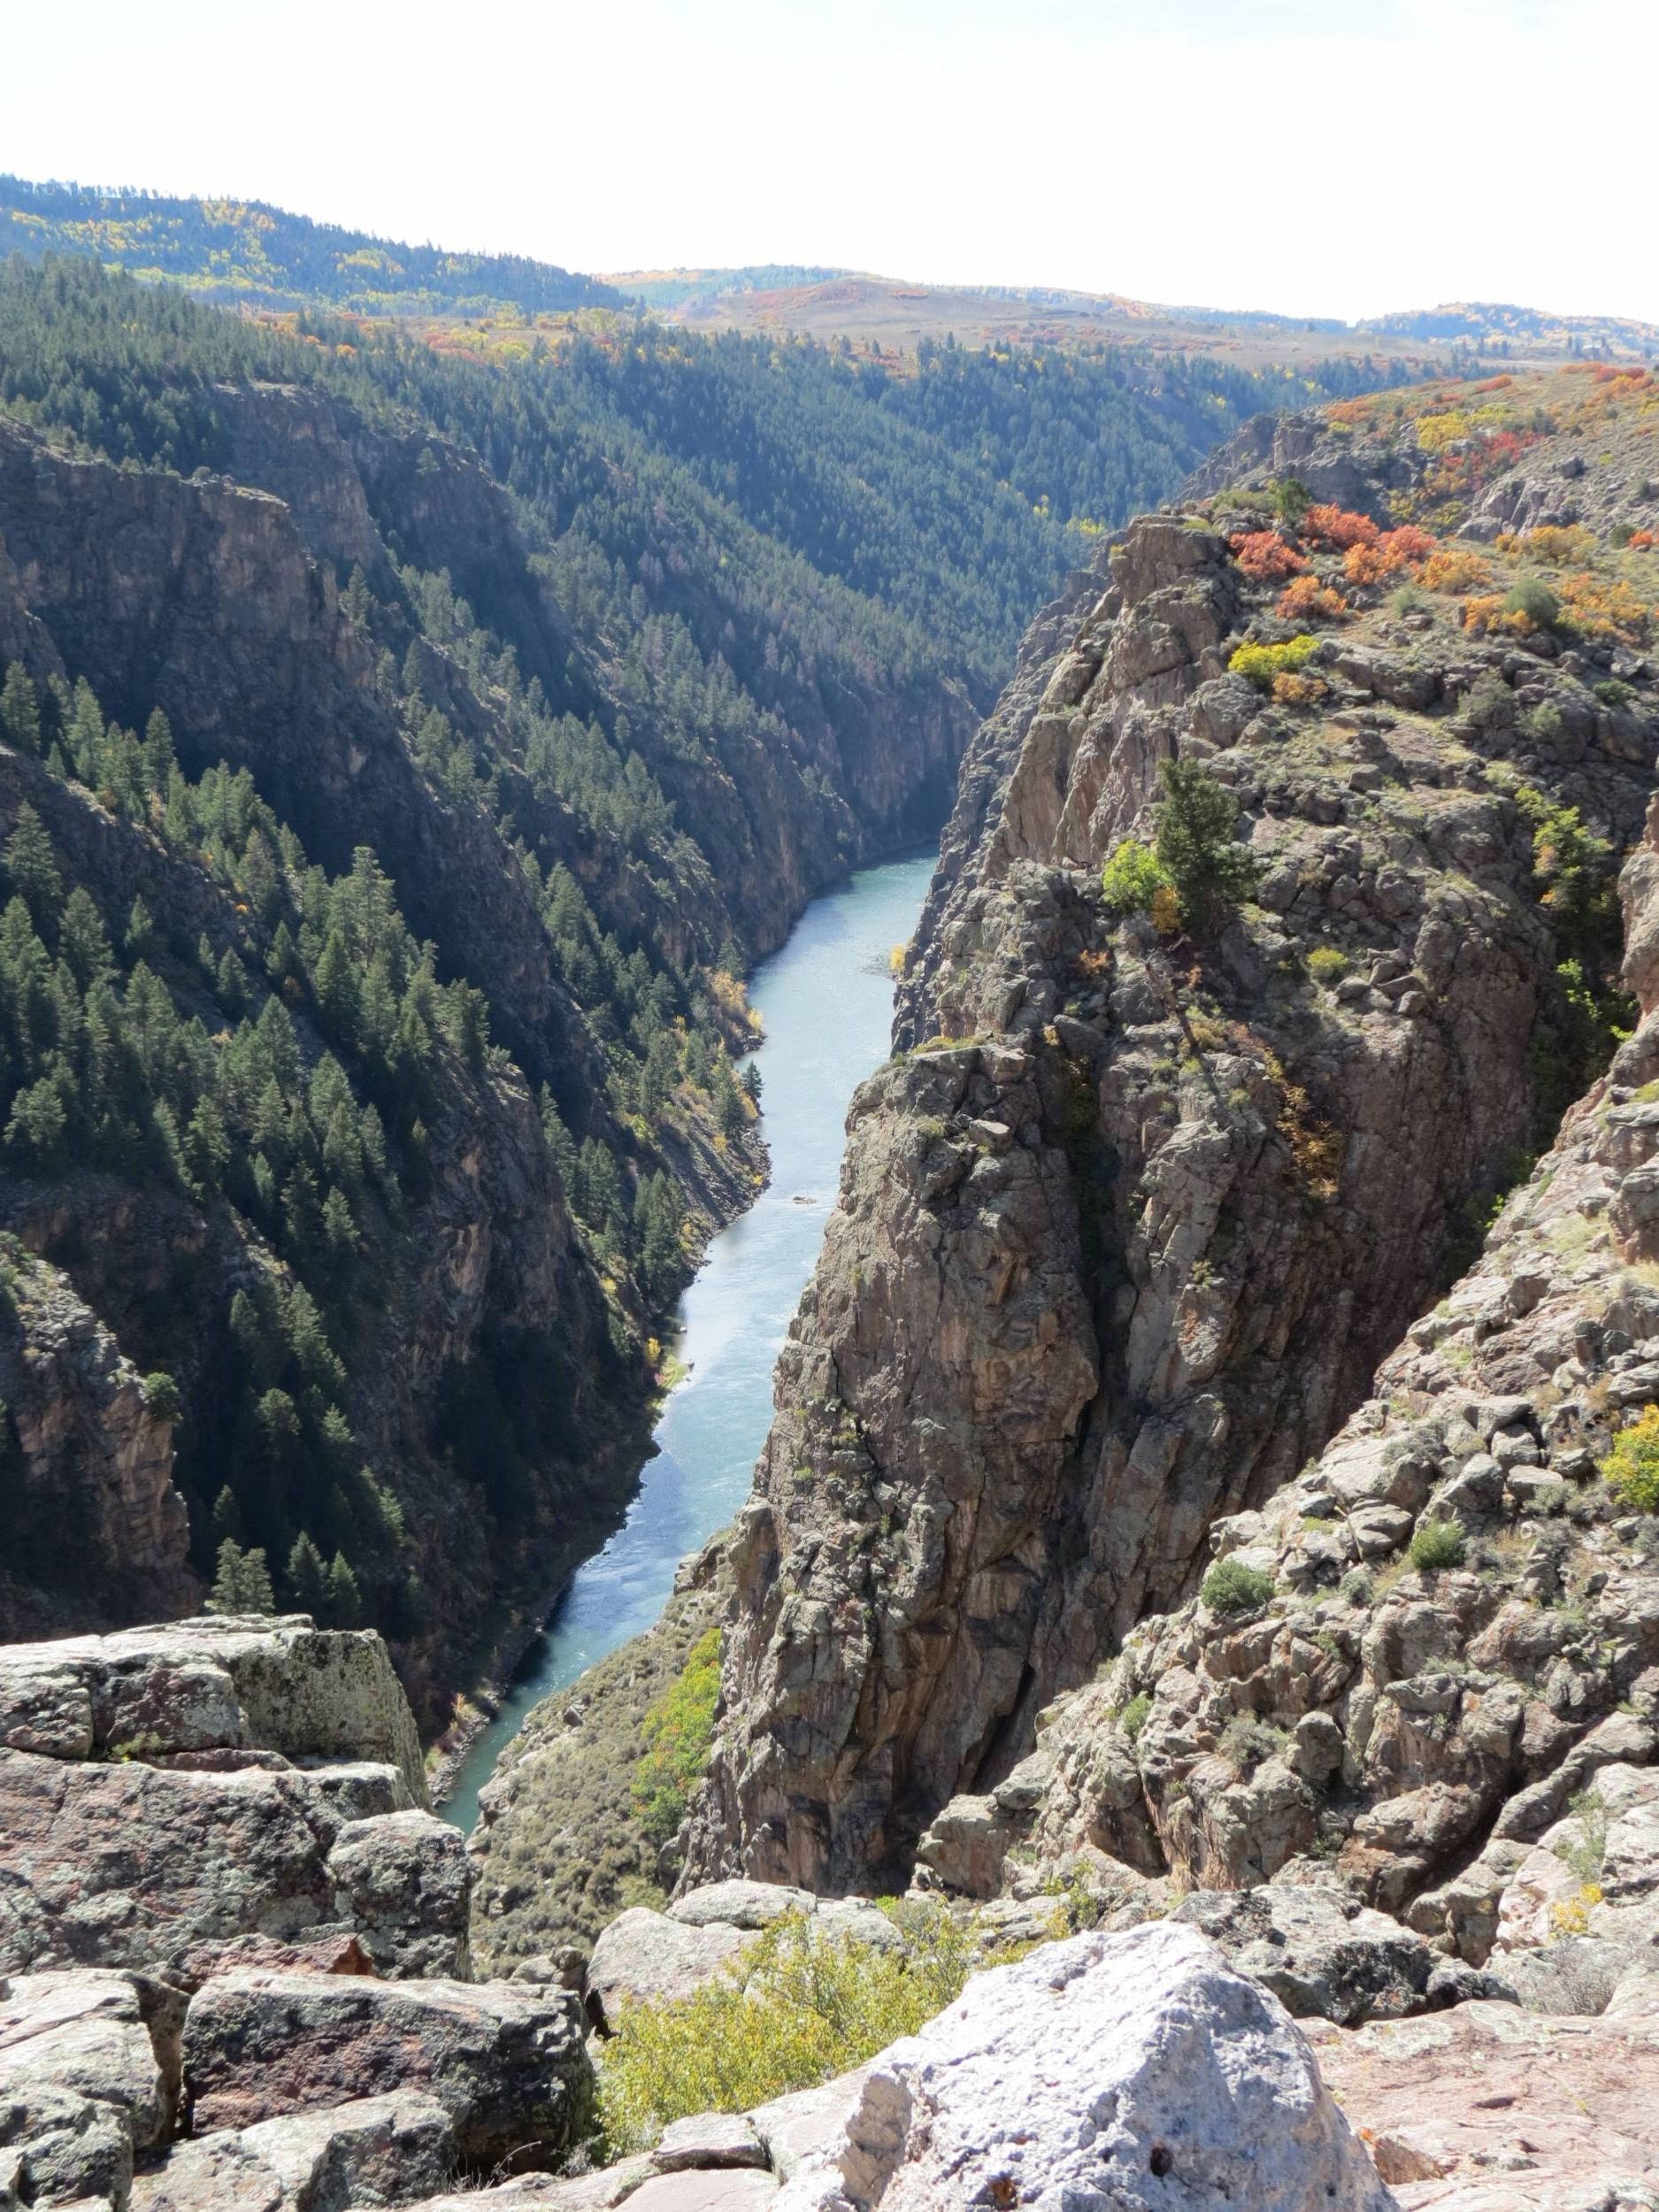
(244, 250)
(406, 754)
(1165, 1169)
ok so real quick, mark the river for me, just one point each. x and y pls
(826, 1000)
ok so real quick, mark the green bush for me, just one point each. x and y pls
(1327, 964)
(1535, 601)
(798, 2008)
(1612, 693)
(1262, 663)
(1133, 877)
(678, 1730)
(1438, 1544)
(1134, 1716)
(162, 1394)
(1632, 1465)
(1231, 1588)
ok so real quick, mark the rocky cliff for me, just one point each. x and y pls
(1427, 1670)
(1134, 1217)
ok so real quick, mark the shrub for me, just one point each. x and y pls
(1632, 1467)
(797, 2009)
(1247, 1741)
(678, 1730)
(1231, 1588)
(1290, 500)
(1604, 607)
(1327, 964)
(1130, 877)
(1299, 691)
(1134, 1716)
(162, 1394)
(1265, 556)
(1612, 693)
(1338, 528)
(1438, 1544)
(1535, 601)
(1305, 599)
(1262, 663)
(1550, 542)
(1455, 570)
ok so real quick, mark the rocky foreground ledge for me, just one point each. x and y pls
(233, 1973)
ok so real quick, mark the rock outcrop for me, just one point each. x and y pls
(234, 1958)
(1127, 1228)
(90, 1478)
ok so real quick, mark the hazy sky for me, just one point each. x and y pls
(1342, 158)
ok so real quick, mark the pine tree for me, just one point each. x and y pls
(19, 711)
(1198, 845)
(32, 865)
(243, 1583)
(340, 1230)
(345, 1594)
(307, 1578)
(140, 930)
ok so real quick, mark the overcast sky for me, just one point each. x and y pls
(1341, 158)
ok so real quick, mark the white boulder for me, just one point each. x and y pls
(1135, 2072)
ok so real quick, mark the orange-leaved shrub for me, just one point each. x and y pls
(1305, 599)
(1338, 528)
(1293, 690)
(1265, 556)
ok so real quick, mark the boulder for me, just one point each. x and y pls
(130, 1865)
(739, 1904)
(371, 2151)
(644, 1957)
(507, 2062)
(1131, 2070)
(1318, 1950)
(88, 2077)
(275, 1685)
(401, 1880)
(709, 2139)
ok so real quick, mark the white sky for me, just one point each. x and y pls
(1341, 158)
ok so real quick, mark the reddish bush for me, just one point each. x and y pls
(1338, 528)
(1264, 556)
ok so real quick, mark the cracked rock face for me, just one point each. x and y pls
(1123, 1238)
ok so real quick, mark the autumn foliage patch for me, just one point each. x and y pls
(1338, 528)
(1264, 556)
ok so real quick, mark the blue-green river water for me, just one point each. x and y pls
(826, 999)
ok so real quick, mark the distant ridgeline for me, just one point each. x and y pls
(244, 250)
(373, 1089)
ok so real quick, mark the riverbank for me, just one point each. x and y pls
(825, 1000)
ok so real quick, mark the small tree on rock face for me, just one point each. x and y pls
(1197, 846)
